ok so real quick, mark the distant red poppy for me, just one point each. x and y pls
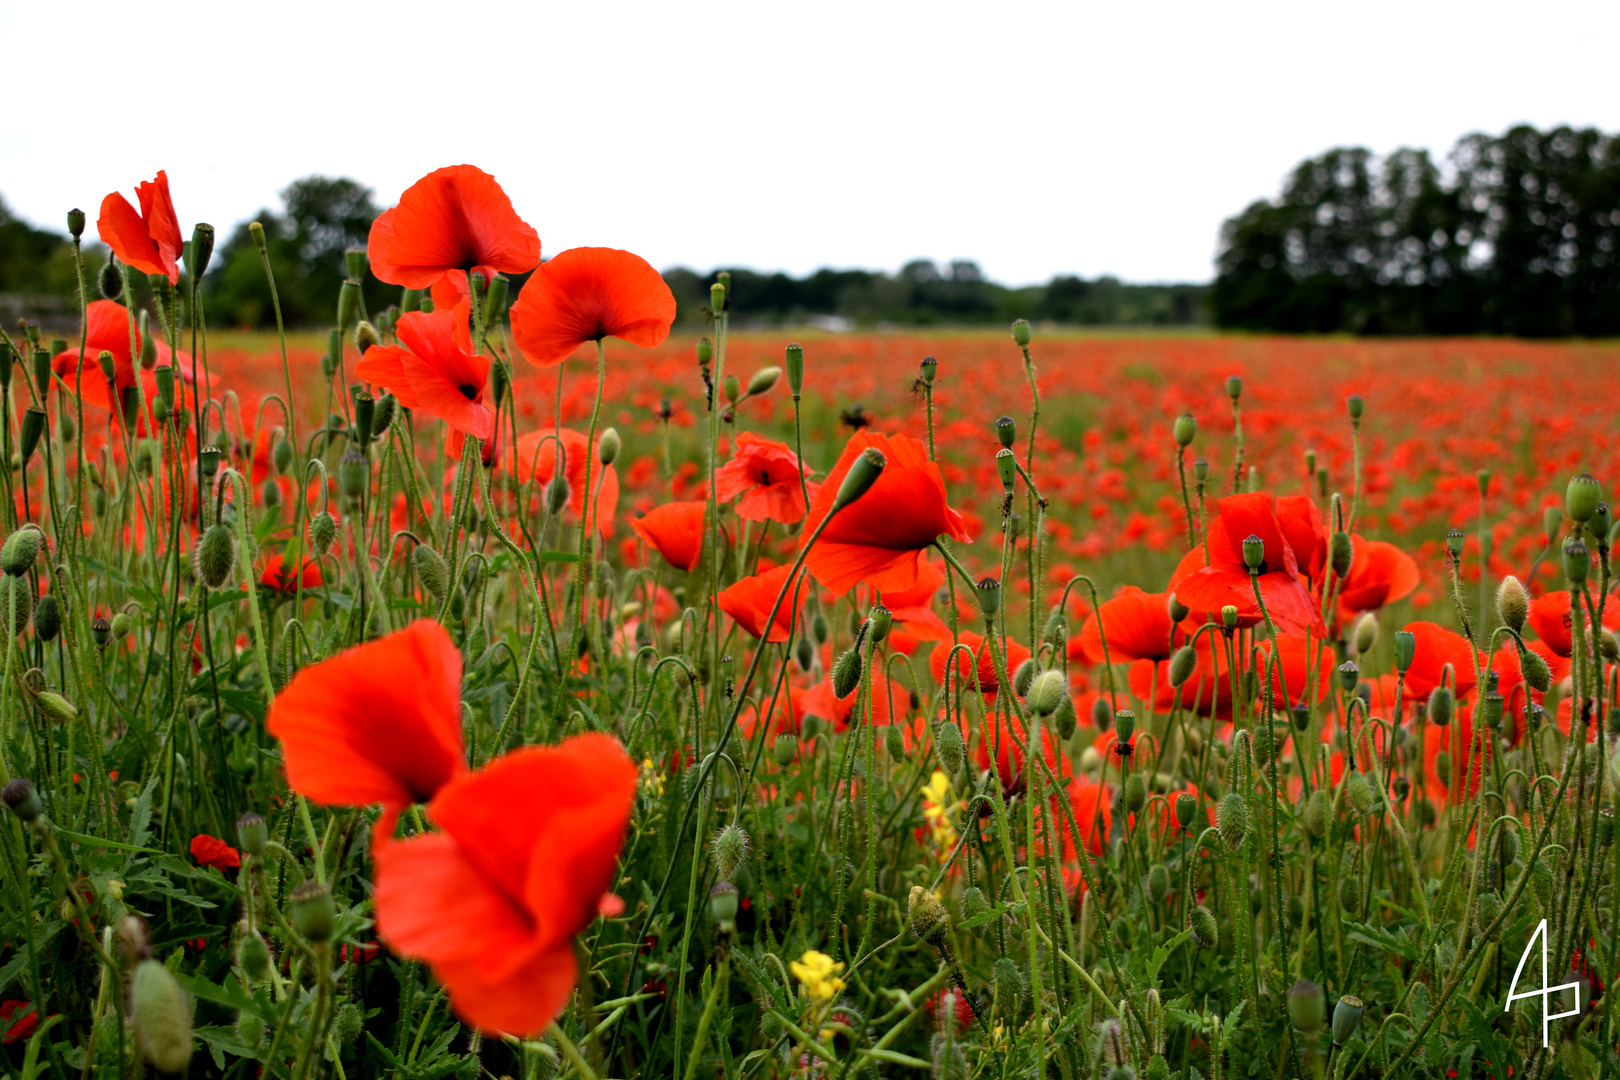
(981, 674)
(1435, 648)
(1224, 581)
(150, 240)
(455, 218)
(879, 538)
(676, 530)
(587, 294)
(279, 576)
(1010, 756)
(536, 457)
(212, 851)
(766, 475)
(1550, 619)
(1380, 573)
(379, 723)
(18, 1027)
(820, 701)
(527, 848)
(749, 602)
(1137, 624)
(107, 330)
(436, 370)
(786, 719)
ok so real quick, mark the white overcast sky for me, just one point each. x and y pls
(1034, 137)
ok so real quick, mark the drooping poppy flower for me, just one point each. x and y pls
(148, 241)
(212, 851)
(18, 1027)
(587, 294)
(536, 459)
(280, 576)
(1435, 648)
(879, 538)
(455, 218)
(527, 850)
(107, 330)
(912, 611)
(980, 673)
(1224, 580)
(749, 602)
(766, 474)
(379, 723)
(1380, 573)
(434, 370)
(1550, 619)
(676, 530)
(1137, 625)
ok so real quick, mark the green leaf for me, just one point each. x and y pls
(81, 838)
(231, 995)
(1162, 953)
(1379, 938)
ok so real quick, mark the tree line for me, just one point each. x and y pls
(1516, 234)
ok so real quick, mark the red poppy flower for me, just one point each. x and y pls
(1550, 619)
(820, 701)
(1302, 527)
(1137, 624)
(380, 723)
(912, 610)
(150, 240)
(212, 851)
(18, 1027)
(1294, 669)
(749, 602)
(1435, 648)
(528, 847)
(587, 294)
(1380, 573)
(107, 330)
(786, 719)
(1208, 691)
(279, 576)
(1010, 754)
(455, 218)
(981, 674)
(879, 538)
(536, 458)
(766, 475)
(436, 371)
(676, 530)
(1224, 580)
(961, 1008)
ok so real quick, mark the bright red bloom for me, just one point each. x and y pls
(1137, 625)
(1380, 573)
(379, 723)
(587, 294)
(749, 602)
(150, 240)
(1550, 619)
(1294, 669)
(1005, 737)
(1437, 647)
(676, 530)
(880, 537)
(436, 370)
(107, 330)
(820, 701)
(980, 674)
(281, 577)
(766, 475)
(1208, 691)
(455, 218)
(528, 847)
(786, 718)
(1302, 527)
(536, 458)
(1225, 580)
(212, 851)
(18, 1027)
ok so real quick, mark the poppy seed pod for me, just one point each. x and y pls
(1355, 406)
(1512, 603)
(1254, 553)
(101, 631)
(1006, 431)
(989, 590)
(314, 914)
(863, 473)
(717, 297)
(1234, 387)
(1581, 497)
(1201, 470)
(33, 429)
(47, 618)
(1454, 543)
(162, 1017)
(846, 673)
(1232, 820)
(1186, 806)
(1346, 1018)
(21, 798)
(1600, 523)
(794, 362)
(723, 901)
(1442, 703)
(878, 621)
(21, 549)
(1047, 690)
(75, 222)
(1349, 675)
(730, 850)
(1301, 714)
(1186, 429)
(365, 415)
(1125, 724)
(1229, 616)
(763, 380)
(1020, 333)
(1182, 665)
(1491, 705)
(200, 250)
(948, 747)
(1307, 1007)
(354, 474)
(1007, 469)
(785, 749)
(1202, 923)
(252, 833)
(215, 555)
(607, 448)
(1405, 650)
(1577, 561)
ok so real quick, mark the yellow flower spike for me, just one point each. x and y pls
(817, 973)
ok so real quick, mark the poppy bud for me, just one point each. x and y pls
(926, 916)
(717, 297)
(1349, 674)
(42, 371)
(1065, 718)
(1577, 561)
(1023, 676)
(47, 618)
(1442, 767)
(1047, 691)
(33, 429)
(846, 673)
(16, 603)
(495, 298)
(354, 474)
(1608, 645)
(215, 556)
(1486, 909)
(928, 369)
(101, 631)
(1405, 650)
(410, 300)
(21, 549)
(878, 622)
(1512, 603)
(894, 742)
(989, 590)
(313, 911)
(1314, 813)
(557, 492)
(1182, 665)
(430, 567)
(252, 833)
(1441, 704)
(723, 903)
(1186, 428)
(252, 954)
(162, 1017)
(1306, 1006)
(1125, 724)
(1537, 675)
(1358, 793)
(607, 448)
(1232, 820)
(322, 532)
(1346, 1018)
(863, 473)
(1364, 635)
(22, 799)
(1007, 467)
(1340, 553)
(1020, 333)
(1581, 497)
(348, 303)
(1135, 792)
(785, 749)
(948, 747)
(1201, 470)
(1158, 883)
(1234, 387)
(1102, 714)
(1202, 923)
(730, 850)
(763, 380)
(1355, 406)
(1605, 828)
(1490, 706)
(1186, 805)
(129, 403)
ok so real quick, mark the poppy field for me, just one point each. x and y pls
(504, 685)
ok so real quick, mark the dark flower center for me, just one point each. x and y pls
(468, 391)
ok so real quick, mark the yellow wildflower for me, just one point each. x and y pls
(817, 973)
(937, 807)
(651, 784)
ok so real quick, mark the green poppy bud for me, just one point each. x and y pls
(1204, 929)
(1600, 522)
(354, 474)
(322, 532)
(42, 372)
(410, 300)
(1340, 554)
(1442, 767)
(1234, 387)
(863, 473)
(1048, 689)
(1306, 1006)
(253, 957)
(878, 622)
(1354, 405)
(1007, 468)
(314, 914)
(948, 747)
(1232, 820)
(1405, 650)
(1315, 812)
(21, 798)
(1024, 676)
(162, 1017)
(252, 833)
(989, 590)
(723, 902)
(47, 618)
(431, 569)
(1020, 333)
(1158, 883)
(1186, 429)
(895, 742)
(348, 304)
(785, 749)
(1490, 707)
(21, 549)
(1577, 561)
(1537, 675)
(763, 381)
(730, 850)
(109, 280)
(846, 673)
(1135, 792)
(1512, 603)
(33, 429)
(926, 916)
(1065, 718)
(215, 555)
(1442, 703)
(1358, 793)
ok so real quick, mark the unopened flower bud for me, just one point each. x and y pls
(730, 850)
(314, 914)
(723, 901)
(1232, 820)
(863, 473)
(21, 549)
(431, 568)
(1047, 691)
(1007, 469)
(33, 429)
(948, 747)
(785, 749)
(348, 304)
(252, 833)
(878, 622)
(253, 956)
(1205, 931)
(607, 448)
(1234, 387)
(926, 916)
(1135, 792)
(763, 380)
(846, 673)
(1355, 406)
(322, 532)
(47, 618)
(1341, 553)
(1186, 429)
(1537, 674)
(354, 474)
(19, 795)
(215, 555)
(1442, 703)
(162, 1017)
